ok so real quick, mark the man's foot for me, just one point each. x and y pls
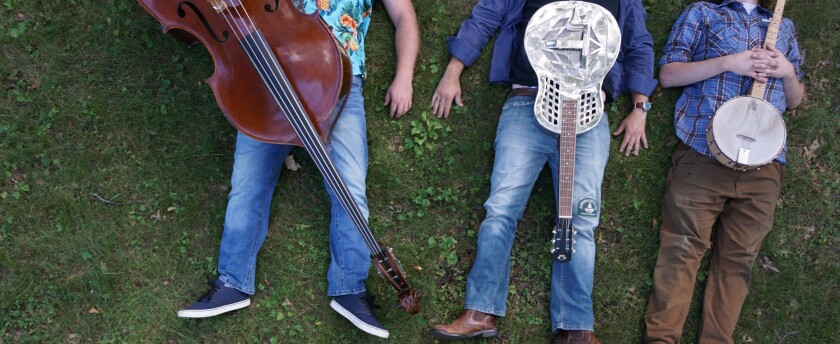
(356, 308)
(217, 300)
(575, 337)
(471, 324)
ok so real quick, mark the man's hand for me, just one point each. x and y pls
(399, 97)
(778, 65)
(448, 89)
(633, 128)
(752, 63)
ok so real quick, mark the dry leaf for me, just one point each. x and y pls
(768, 264)
(809, 232)
(810, 151)
(291, 164)
(156, 216)
(287, 303)
(93, 310)
(418, 268)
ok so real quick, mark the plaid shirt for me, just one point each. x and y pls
(706, 31)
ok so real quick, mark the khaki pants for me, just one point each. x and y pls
(699, 193)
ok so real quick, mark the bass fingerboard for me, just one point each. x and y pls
(759, 88)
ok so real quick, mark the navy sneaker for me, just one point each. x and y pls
(219, 299)
(356, 308)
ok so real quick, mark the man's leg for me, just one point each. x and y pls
(256, 169)
(349, 256)
(521, 151)
(695, 194)
(745, 221)
(571, 282)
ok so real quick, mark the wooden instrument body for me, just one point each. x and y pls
(317, 66)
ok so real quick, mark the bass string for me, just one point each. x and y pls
(305, 129)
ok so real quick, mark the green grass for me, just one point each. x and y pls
(115, 165)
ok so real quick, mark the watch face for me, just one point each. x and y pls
(643, 105)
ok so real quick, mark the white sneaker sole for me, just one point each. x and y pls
(206, 313)
(358, 322)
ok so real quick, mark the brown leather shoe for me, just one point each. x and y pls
(575, 337)
(470, 324)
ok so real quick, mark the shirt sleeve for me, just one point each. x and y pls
(485, 19)
(793, 55)
(638, 47)
(686, 35)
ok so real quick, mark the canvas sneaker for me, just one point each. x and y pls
(217, 300)
(356, 308)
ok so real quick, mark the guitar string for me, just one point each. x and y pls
(240, 35)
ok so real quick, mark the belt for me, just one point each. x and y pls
(524, 91)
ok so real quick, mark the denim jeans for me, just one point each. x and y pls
(256, 169)
(522, 149)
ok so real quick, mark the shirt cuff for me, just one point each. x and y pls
(641, 84)
(462, 51)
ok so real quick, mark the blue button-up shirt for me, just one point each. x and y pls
(706, 31)
(632, 72)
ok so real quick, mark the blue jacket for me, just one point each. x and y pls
(633, 70)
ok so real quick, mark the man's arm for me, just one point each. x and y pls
(637, 45)
(465, 47)
(407, 41)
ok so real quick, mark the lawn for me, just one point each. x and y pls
(115, 172)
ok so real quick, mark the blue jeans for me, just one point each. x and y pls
(256, 169)
(522, 149)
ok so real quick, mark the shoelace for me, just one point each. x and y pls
(210, 292)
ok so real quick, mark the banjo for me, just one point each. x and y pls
(747, 131)
(571, 46)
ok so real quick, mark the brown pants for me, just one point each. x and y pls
(700, 192)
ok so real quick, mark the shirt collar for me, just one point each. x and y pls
(758, 8)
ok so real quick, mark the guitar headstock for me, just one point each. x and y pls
(563, 240)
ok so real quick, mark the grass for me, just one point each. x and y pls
(115, 165)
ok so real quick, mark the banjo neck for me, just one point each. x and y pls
(758, 88)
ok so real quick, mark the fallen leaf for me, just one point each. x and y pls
(165, 282)
(93, 310)
(809, 232)
(418, 268)
(768, 264)
(287, 303)
(809, 151)
(291, 164)
(156, 216)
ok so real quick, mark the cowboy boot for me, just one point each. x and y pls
(471, 324)
(575, 337)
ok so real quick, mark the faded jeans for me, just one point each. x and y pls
(256, 169)
(522, 149)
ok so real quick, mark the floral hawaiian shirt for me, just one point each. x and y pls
(349, 20)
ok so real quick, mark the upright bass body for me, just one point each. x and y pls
(318, 69)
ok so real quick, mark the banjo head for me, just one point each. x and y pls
(746, 132)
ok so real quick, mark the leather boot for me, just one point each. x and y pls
(575, 337)
(471, 324)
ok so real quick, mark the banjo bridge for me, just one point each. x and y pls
(745, 138)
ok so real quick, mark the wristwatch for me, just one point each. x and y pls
(643, 105)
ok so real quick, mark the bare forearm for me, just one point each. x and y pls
(407, 41)
(794, 90)
(454, 69)
(677, 74)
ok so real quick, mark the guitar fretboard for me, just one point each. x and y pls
(566, 151)
(758, 88)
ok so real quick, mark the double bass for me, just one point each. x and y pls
(279, 75)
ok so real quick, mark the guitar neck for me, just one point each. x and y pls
(566, 144)
(759, 88)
